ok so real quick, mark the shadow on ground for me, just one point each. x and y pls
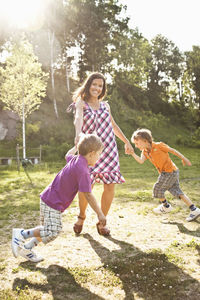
(147, 275)
(60, 283)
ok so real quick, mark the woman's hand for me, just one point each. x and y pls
(128, 148)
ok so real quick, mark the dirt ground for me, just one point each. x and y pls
(135, 233)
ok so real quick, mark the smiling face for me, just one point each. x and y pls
(96, 88)
(141, 144)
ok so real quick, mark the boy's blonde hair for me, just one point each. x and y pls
(89, 143)
(143, 134)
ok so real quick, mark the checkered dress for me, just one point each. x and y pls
(107, 169)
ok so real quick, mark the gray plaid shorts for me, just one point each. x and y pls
(51, 223)
(167, 182)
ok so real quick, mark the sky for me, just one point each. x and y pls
(177, 20)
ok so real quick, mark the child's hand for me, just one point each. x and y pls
(186, 162)
(128, 148)
(102, 219)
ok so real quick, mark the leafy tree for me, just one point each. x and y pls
(23, 83)
(98, 26)
(165, 68)
(193, 70)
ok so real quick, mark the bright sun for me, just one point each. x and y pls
(22, 13)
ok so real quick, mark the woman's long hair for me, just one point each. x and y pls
(83, 91)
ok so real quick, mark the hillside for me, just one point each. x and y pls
(56, 135)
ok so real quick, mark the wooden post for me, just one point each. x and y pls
(40, 154)
(17, 156)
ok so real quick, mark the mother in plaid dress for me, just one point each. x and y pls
(92, 115)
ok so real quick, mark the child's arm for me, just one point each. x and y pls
(140, 159)
(93, 203)
(71, 151)
(185, 161)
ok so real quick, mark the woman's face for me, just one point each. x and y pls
(96, 88)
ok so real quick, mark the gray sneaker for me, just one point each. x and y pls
(17, 240)
(194, 214)
(161, 209)
(29, 255)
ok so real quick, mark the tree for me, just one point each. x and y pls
(98, 25)
(23, 83)
(165, 68)
(193, 70)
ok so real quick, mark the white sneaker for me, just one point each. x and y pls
(193, 215)
(17, 240)
(29, 255)
(161, 209)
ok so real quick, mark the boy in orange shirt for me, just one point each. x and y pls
(168, 179)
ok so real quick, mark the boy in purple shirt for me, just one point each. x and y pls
(73, 178)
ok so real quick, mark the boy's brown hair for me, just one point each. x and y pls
(89, 143)
(144, 134)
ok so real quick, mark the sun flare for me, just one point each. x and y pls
(22, 13)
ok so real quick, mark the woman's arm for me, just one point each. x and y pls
(78, 120)
(118, 132)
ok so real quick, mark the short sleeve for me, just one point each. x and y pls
(69, 157)
(84, 183)
(163, 147)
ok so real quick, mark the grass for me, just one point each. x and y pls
(147, 257)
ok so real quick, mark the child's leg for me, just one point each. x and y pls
(177, 192)
(35, 234)
(159, 190)
(186, 199)
(52, 224)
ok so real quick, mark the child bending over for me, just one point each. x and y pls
(73, 178)
(168, 180)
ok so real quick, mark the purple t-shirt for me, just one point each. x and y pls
(72, 178)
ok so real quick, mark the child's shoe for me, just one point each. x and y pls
(17, 240)
(161, 209)
(29, 255)
(193, 215)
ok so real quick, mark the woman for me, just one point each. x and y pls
(92, 115)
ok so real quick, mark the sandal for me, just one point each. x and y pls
(103, 231)
(78, 228)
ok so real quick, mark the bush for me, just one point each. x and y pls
(54, 152)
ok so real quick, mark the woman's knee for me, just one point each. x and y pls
(109, 187)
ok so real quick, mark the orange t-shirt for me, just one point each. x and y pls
(160, 158)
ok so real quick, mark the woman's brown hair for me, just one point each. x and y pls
(83, 91)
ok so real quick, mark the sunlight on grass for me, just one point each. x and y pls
(120, 268)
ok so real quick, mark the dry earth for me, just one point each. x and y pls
(135, 230)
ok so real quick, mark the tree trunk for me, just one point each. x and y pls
(23, 131)
(51, 43)
(67, 76)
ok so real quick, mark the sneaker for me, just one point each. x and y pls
(161, 209)
(17, 240)
(29, 255)
(193, 215)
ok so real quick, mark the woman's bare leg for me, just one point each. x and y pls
(107, 198)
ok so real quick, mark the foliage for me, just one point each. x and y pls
(193, 69)
(147, 79)
(23, 83)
